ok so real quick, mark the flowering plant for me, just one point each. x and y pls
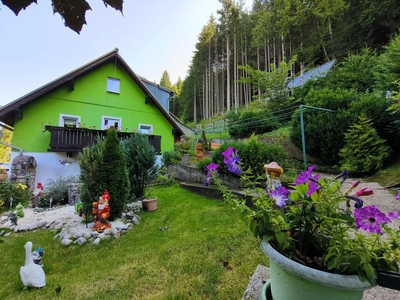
(316, 224)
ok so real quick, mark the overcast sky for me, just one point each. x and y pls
(152, 36)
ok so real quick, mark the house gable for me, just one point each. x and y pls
(87, 97)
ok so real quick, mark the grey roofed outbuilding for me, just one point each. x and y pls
(313, 74)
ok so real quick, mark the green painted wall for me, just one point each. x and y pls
(90, 101)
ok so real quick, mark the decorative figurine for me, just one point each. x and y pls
(37, 193)
(20, 210)
(103, 213)
(273, 171)
(37, 256)
(32, 275)
(13, 219)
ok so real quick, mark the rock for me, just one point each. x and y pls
(42, 224)
(66, 242)
(34, 226)
(101, 235)
(256, 284)
(123, 227)
(107, 231)
(81, 241)
(94, 234)
(77, 235)
(135, 220)
(24, 228)
(3, 218)
(97, 241)
(117, 235)
(87, 235)
(7, 234)
(57, 237)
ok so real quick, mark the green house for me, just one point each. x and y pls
(55, 122)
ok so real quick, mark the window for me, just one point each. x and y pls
(69, 121)
(146, 129)
(108, 122)
(113, 85)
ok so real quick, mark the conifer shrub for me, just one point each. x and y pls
(364, 150)
(89, 161)
(141, 163)
(113, 174)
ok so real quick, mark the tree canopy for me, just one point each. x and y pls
(72, 11)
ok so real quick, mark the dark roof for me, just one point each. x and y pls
(8, 111)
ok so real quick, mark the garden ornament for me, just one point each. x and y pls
(32, 275)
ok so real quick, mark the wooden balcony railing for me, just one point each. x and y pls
(65, 139)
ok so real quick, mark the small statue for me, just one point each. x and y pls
(20, 210)
(103, 213)
(37, 193)
(13, 219)
(273, 171)
(37, 256)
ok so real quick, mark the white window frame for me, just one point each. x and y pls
(147, 130)
(113, 85)
(112, 119)
(63, 117)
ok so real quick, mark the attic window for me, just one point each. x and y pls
(113, 85)
(108, 122)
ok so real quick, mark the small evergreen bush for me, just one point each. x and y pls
(141, 163)
(364, 150)
(89, 161)
(201, 164)
(113, 174)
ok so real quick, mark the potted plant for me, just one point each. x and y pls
(150, 200)
(315, 231)
(184, 146)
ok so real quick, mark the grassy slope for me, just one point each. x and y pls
(208, 253)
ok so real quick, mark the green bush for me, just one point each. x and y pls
(201, 164)
(141, 163)
(89, 161)
(253, 155)
(18, 191)
(113, 174)
(171, 157)
(364, 150)
(58, 190)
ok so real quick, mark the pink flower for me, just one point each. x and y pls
(365, 192)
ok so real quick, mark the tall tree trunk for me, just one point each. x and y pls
(235, 84)
(258, 68)
(228, 78)
(216, 71)
(194, 104)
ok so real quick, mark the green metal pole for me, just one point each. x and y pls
(303, 137)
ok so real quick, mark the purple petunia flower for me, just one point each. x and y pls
(234, 165)
(279, 198)
(283, 190)
(359, 202)
(370, 218)
(312, 188)
(398, 196)
(394, 215)
(212, 168)
(228, 154)
(306, 175)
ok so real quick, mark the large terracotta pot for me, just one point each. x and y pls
(149, 204)
(291, 280)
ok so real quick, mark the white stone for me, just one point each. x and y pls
(7, 234)
(77, 235)
(42, 224)
(87, 235)
(80, 241)
(3, 218)
(107, 231)
(94, 234)
(107, 237)
(34, 226)
(66, 242)
(57, 237)
(117, 235)
(101, 235)
(96, 241)
(123, 227)
(24, 228)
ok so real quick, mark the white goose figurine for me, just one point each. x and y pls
(32, 275)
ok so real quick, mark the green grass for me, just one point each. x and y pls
(208, 253)
(390, 175)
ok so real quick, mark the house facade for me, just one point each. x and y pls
(56, 121)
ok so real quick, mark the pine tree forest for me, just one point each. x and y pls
(271, 33)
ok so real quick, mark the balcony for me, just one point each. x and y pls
(73, 140)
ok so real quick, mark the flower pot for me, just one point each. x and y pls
(291, 280)
(149, 204)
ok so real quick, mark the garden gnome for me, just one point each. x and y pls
(20, 210)
(103, 213)
(273, 171)
(37, 193)
(200, 155)
(37, 256)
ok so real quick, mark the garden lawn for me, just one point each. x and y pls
(208, 253)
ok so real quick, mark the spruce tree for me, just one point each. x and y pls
(141, 163)
(113, 174)
(364, 150)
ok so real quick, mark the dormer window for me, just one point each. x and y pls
(113, 85)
